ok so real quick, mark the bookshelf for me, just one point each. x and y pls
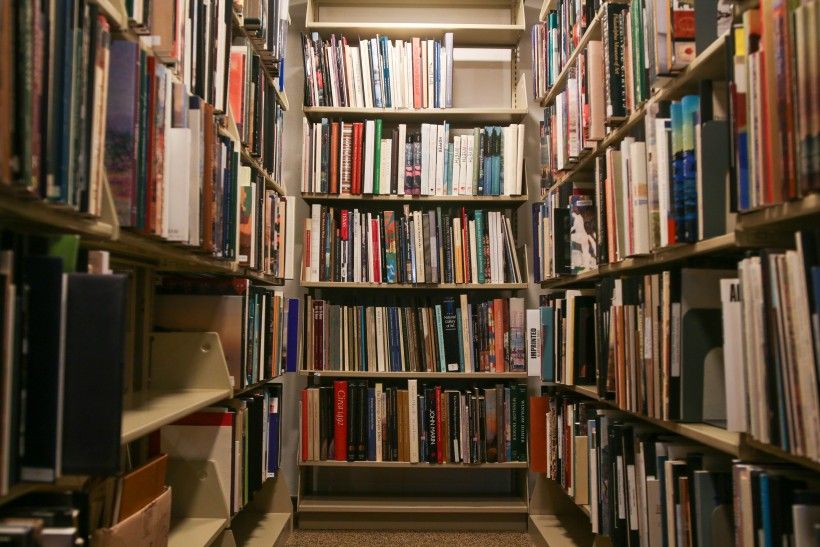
(374, 495)
(636, 361)
(167, 376)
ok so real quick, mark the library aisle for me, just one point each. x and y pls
(382, 272)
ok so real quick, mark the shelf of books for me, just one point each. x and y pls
(492, 23)
(144, 234)
(677, 240)
(412, 163)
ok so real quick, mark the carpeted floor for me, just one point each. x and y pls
(393, 538)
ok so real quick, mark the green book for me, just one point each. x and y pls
(449, 169)
(377, 156)
(67, 247)
(479, 243)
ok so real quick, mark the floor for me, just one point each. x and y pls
(394, 538)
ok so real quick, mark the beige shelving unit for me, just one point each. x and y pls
(487, 89)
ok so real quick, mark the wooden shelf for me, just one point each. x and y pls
(420, 375)
(408, 465)
(270, 182)
(498, 116)
(411, 504)
(781, 454)
(237, 391)
(708, 435)
(198, 531)
(546, 7)
(155, 408)
(594, 29)
(382, 199)
(166, 254)
(464, 34)
(781, 213)
(560, 530)
(25, 208)
(421, 286)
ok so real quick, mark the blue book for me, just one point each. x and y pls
(440, 337)
(486, 166)
(371, 424)
(373, 47)
(385, 54)
(766, 510)
(676, 116)
(448, 154)
(742, 146)
(292, 348)
(691, 118)
(496, 154)
(437, 73)
(547, 344)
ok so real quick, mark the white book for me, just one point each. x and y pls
(369, 141)
(448, 68)
(638, 191)
(290, 235)
(315, 226)
(492, 227)
(730, 297)
(377, 61)
(390, 66)
(317, 157)
(401, 159)
(380, 336)
(397, 77)
(385, 160)
(349, 80)
(367, 84)
(442, 77)
(805, 518)
(456, 182)
(468, 175)
(560, 121)
(178, 144)
(464, 177)
(519, 182)
(662, 161)
(466, 339)
(423, 72)
(432, 159)
(334, 80)
(508, 158)
(379, 419)
(412, 414)
(534, 343)
(440, 144)
(356, 76)
(425, 159)
(626, 204)
(431, 73)
(195, 175)
(434, 269)
(307, 149)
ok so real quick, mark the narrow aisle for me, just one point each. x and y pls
(364, 538)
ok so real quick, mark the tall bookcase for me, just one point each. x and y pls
(168, 375)
(557, 517)
(366, 494)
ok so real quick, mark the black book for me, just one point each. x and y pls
(584, 364)
(618, 483)
(92, 406)
(351, 422)
(430, 424)
(561, 223)
(394, 429)
(41, 450)
(450, 334)
(361, 414)
(256, 408)
(454, 414)
(523, 421)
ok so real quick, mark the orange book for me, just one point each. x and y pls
(141, 486)
(538, 433)
(417, 73)
(498, 334)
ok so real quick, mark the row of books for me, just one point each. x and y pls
(645, 487)
(434, 160)
(427, 246)
(266, 227)
(771, 346)
(379, 73)
(268, 20)
(774, 106)
(355, 421)
(258, 327)
(242, 436)
(57, 386)
(254, 108)
(666, 185)
(416, 335)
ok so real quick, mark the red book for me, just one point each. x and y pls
(465, 246)
(498, 332)
(333, 170)
(304, 425)
(439, 440)
(538, 433)
(344, 224)
(340, 420)
(417, 95)
(375, 241)
(236, 88)
(356, 175)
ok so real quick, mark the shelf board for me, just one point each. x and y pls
(311, 197)
(781, 454)
(421, 286)
(167, 254)
(708, 435)
(151, 410)
(254, 163)
(195, 531)
(464, 34)
(408, 465)
(420, 375)
(546, 7)
(259, 529)
(24, 207)
(561, 531)
(499, 116)
(114, 11)
(411, 504)
(780, 213)
(237, 391)
(594, 29)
